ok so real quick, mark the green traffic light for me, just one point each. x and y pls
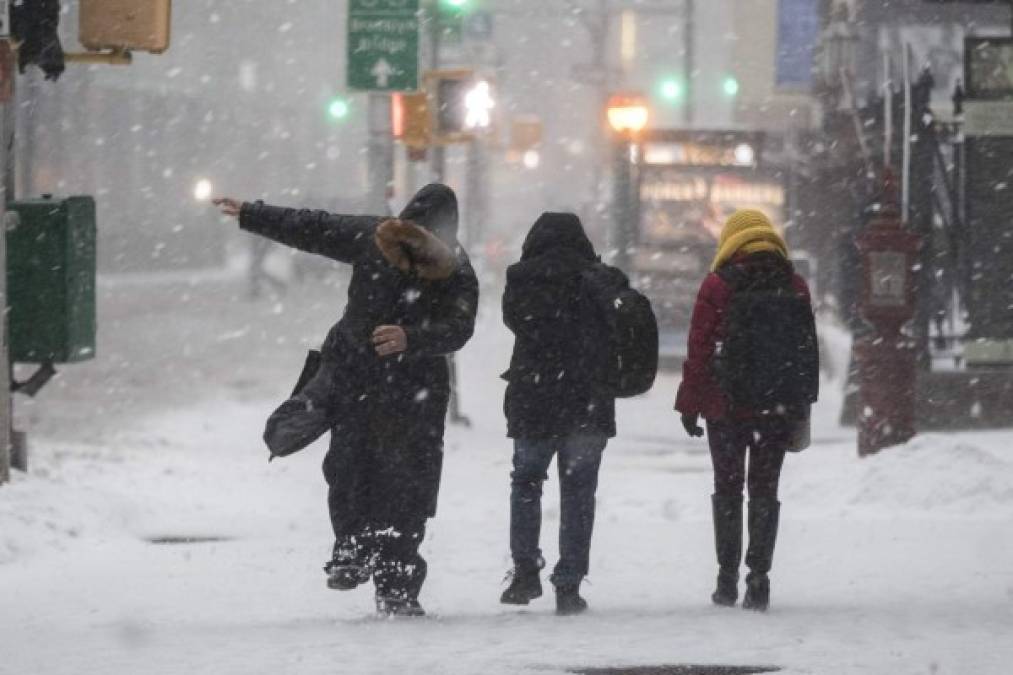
(338, 109)
(730, 86)
(456, 5)
(671, 89)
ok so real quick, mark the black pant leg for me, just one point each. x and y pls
(728, 441)
(768, 443)
(579, 461)
(347, 468)
(530, 461)
(399, 570)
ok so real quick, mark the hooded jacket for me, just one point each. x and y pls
(551, 392)
(437, 315)
(396, 404)
(699, 392)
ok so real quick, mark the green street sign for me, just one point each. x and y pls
(383, 45)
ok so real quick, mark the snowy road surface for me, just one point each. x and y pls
(901, 563)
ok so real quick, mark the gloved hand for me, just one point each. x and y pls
(691, 423)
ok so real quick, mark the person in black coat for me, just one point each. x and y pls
(553, 406)
(384, 377)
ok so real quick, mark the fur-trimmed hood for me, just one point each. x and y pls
(434, 208)
(414, 249)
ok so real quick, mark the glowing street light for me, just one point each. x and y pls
(202, 190)
(671, 89)
(478, 105)
(338, 109)
(730, 86)
(628, 114)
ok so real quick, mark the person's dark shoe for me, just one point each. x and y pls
(346, 577)
(568, 601)
(727, 591)
(757, 592)
(525, 585)
(398, 607)
(348, 569)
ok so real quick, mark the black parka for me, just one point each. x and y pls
(551, 391)
(387, 439)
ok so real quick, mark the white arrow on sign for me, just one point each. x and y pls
(382, 72)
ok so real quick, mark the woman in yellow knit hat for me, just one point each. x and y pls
(751, 372)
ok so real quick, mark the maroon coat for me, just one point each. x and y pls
(699, 391)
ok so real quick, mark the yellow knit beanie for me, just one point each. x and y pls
(748, 231)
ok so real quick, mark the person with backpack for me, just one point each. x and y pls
(752, 372)
(381, 381)
(560, 397)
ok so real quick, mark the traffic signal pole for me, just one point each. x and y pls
(380, 152)
(439, 169)
(7, 121)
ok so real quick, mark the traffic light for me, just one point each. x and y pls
(338, 108)
(34, 25)
(412, 120)
(453, 8)
(450, 14)
(125, 25)
(730, 86)
(671, 89)
(461, 104)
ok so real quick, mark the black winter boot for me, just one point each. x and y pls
(395, 606)
(350, 566)
(763, 519)
(728, 543)
(525, 584)
(568, 600)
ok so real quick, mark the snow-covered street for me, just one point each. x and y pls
(902, 563)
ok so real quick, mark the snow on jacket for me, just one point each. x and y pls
(699, 391)
(399, 402)
(551, 391)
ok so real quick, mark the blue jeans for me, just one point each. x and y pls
(579, 459)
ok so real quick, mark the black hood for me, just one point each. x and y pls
(557, 233)
(434, 207)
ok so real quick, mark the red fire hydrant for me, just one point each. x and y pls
(886, 359)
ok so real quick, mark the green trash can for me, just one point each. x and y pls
(51, 280)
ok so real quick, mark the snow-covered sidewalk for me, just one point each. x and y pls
(900, 563)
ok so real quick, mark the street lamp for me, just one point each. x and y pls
(628, 115)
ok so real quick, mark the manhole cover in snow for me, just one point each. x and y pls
(678, 670)
(185, 539)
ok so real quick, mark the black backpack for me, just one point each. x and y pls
(621, 323)
(769, 360)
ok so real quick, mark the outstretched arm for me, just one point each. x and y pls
(340, 237)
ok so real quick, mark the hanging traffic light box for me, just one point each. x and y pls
(126, 25)
(460, 105)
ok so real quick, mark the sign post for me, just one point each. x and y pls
(7, 69)
(383, 45)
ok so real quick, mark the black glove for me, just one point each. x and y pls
(691, 423)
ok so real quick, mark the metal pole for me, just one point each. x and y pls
(887, 112)
(689, 60)
(906, 159)
(623, 203)
(381, 152)
(439, 168)
(7, 118)
(477, 198)
(439, 160)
